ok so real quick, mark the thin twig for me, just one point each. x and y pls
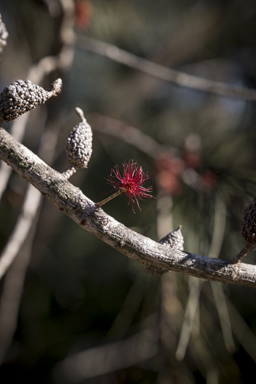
(238, 258)
(156, 70)
(189, 316)
(129, 134)
(69, 172)
(241, 330)
(129, 308)
(220, 215)
(21, 230)
(218, 294)
(217, 239)
(221, 305)
(12, 293)
(107, 358)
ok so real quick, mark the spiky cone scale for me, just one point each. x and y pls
(174, 239)
(23, 96)
(79, 145)
(248, 231)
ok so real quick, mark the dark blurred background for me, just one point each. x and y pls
(72, 309)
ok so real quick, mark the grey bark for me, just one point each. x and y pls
(154, 257)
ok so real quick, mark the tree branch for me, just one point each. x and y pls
(160, 72)
(151, 255)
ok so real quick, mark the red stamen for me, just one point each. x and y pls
(130, 183)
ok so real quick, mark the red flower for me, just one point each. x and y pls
(131, 182)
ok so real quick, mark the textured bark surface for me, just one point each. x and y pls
(154, 257)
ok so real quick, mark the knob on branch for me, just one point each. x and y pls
(174, 239)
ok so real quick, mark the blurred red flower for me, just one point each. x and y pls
(83, 10)
(169, 170)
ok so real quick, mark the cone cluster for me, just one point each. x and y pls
(79, 143)
(249, 223)
(23, 96)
